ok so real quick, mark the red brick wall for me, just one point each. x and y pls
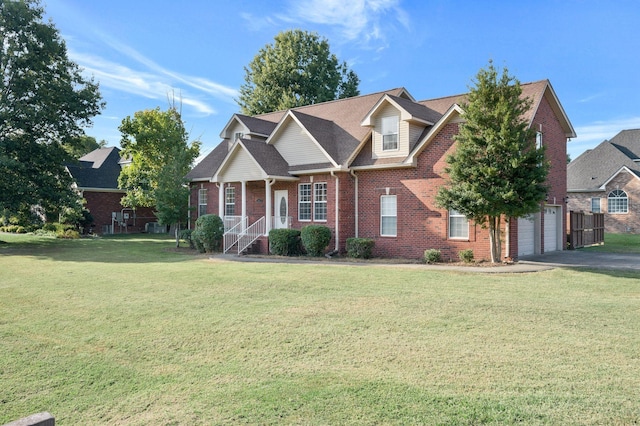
(102, 204)
(613, 222)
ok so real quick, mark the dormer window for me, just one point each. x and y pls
(389, 133)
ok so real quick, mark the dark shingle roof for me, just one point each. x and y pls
(595, 167)
(98, 169)
(267, 156)
(257, 125)
(206, 168)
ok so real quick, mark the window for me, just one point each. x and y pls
(304, 202)
(618, 202)
(389, 133)
(458, 225)
(237, 136)
(388, 216)
(538, 140)
(202, 202)
(229, 201)
(320, 201)
(595, 205)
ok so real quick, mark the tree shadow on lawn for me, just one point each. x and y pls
(127, 248)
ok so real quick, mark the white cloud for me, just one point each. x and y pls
(592, 134)
(367, 22)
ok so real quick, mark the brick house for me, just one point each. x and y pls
(606, 180)
(95, 175)
(370, 166)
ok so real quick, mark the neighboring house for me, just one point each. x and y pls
(370, 166)
(606, 180)
(96, 177)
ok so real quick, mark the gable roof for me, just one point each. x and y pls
(207, 167)
(99, 169)
(594, 168)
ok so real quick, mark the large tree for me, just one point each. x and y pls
(44, 104)
(496, 170)
(157, 144)
(298, 69)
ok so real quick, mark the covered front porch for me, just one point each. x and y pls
(261, 208)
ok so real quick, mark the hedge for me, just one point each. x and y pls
(360, 248)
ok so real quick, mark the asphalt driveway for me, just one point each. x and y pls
(585, 259)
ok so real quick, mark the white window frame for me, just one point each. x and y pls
(617, 202)
(305, 197)
(202, 202)
(597, 202)
(456, 224)
(538, 140)
(388, 210)
(320, 202)
(230, 201)
(390, 130)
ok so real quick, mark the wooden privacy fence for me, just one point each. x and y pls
(585, 229)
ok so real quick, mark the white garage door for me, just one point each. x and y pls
(551, 221)
(526, 236)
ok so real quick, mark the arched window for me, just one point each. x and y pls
(618, 202)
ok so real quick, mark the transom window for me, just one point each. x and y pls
(388, 215)
(458, 225)
(229, 201)
(595, 205)
(389, 133)
(202, 202)
(320, 201)
(618, 202)
(304, 202)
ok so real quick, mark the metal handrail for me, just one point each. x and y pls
(231, 222)
(252, 233)
(232, 236)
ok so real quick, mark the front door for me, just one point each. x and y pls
(281, 209)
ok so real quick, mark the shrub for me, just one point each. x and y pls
(186, 235)
(360, 248)
(432, 256)
(208, 233)
(69, 234)
(466, 255)
(285, 242)
(315, 239)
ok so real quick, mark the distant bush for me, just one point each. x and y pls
(432, 256)
(315, 239)
(207, 237)
(285, 242)
(360, 248)
(69, 234)
(466, 255)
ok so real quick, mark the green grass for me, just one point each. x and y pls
(618, 243)
(127, 330)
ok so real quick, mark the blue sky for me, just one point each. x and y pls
(141, 52)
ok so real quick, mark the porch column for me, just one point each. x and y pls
(221, 200)
(267, 196)
(244, 202)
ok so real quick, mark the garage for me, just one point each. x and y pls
(551, 222)
(526, 235)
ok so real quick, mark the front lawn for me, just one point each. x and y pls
(127, 330)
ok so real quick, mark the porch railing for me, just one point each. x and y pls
(230, 222)
(231, 236)
(252, 233)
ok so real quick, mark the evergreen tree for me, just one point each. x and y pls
(496, 170)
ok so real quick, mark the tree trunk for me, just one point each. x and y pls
(494, 239)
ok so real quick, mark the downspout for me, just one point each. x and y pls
(355, 177)
(508, 241)
(337, 218)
